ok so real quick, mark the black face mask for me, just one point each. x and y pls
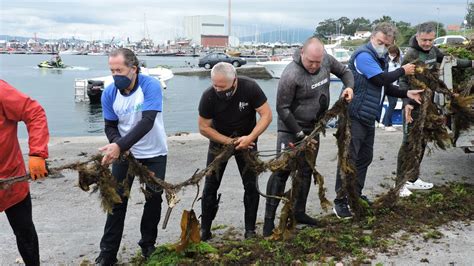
(226, 94)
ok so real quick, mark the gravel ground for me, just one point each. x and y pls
(70, 222)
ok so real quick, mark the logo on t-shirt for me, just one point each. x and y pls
(318, 84)
(129, 110)
(242, 105)
(430, 62)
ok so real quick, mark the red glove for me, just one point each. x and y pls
(37, 167)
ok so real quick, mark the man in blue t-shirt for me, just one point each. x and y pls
(372, 82)
(132, 108)
(227, 115)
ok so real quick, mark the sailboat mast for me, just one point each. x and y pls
(230, 19)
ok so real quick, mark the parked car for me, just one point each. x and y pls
(450, 39)
(210, 60)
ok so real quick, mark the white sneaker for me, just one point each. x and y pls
(382, 126)
(390, 129)
(405, 192)
(419, 184)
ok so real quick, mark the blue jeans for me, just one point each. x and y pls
(387, 119)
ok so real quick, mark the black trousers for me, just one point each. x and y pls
(209, 195)
(110, 243)
(21, 220)
(361, 152)
(277, 181)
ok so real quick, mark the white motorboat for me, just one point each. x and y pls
(95, 86)
(97, 53)
(70, 52)
(276, 67)
(342, 55)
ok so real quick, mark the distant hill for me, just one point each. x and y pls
(25, 39)
(288, 36)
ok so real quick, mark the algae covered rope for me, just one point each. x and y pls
(92, 172)
(289, 160)
(428, 127)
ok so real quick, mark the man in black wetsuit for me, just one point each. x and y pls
(302, 99)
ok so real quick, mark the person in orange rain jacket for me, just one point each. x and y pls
(15, 199)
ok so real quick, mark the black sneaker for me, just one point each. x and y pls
(104, 260)
(341, 209)
(205, 235)
(148, 251)
(268, 227)
(364, 198)
(250, 234)
(303, 218)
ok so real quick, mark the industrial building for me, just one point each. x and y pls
(207, 31)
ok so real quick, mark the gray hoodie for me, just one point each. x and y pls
(303, 98)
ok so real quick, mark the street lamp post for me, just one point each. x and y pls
(437, 24)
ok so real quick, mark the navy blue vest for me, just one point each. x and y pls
(366, 106)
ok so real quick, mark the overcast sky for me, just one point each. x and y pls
(103, 19)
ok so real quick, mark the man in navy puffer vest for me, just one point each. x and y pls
(372, 81)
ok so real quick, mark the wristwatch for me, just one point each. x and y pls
(300, 135)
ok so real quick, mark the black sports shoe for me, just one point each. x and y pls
(205, 235)
(147, 251)
(303, 218)
(250, 234)
(341, 209)
(104, 260)
(268, 227)
(364, 198)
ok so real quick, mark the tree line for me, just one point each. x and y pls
(345, 25)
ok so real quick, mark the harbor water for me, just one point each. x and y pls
(54, 89)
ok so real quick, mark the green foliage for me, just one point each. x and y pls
(382, 19)
(137, 259)
(367, 241)
(237, 254)
(460, 190)
(458, 51)
(433, 234)
(435, 197)
(344, 25)
(336, 239)
(470, 15)
(405, 32)
(218, 227)
(354, 43)
(306, 237)
(164, 255)
(167, 255)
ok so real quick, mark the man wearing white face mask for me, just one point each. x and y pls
(372, 81)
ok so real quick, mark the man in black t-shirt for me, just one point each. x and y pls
(227, 115)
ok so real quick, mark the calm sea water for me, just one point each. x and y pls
(54, 89)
